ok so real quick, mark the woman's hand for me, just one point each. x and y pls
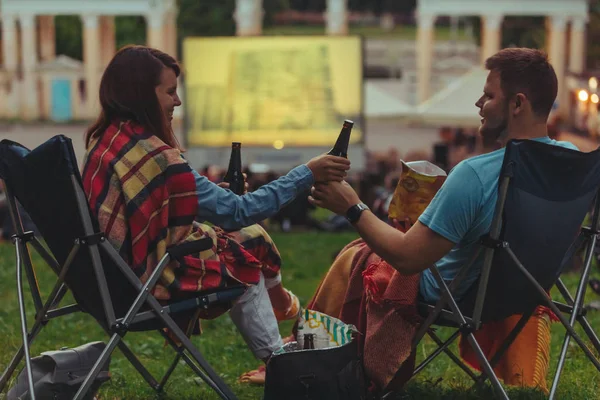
(225, 185)
(328, 168)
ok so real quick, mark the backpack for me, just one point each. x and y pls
(57, 375)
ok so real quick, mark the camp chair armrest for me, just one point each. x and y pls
(187, 248)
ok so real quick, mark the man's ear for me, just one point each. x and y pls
(519, 102)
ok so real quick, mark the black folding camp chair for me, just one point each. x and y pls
(544, 194)
(46, 182)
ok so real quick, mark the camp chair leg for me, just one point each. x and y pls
(442, 346)
(179, 350)
(582, 320)
(172, 367)
(587, 328)
(204, 371)
(24, 332)
(21, 245)
(138, 365)
(425, 326)
(500, 392)
(89, 379)
(14, 363)
(454, 357)
(35, 330)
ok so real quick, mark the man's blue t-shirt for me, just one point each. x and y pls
(462, 211)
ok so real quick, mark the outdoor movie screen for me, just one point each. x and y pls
(272, 91)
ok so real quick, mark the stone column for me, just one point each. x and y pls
(10, 59)
(491, 36)
(171, 34)
(248, 16)
(30, 105)
(154, 30)
(577, 46)
(424, 50)
(47, 37)
(92, 64)
(107, 36)
(556, 53)
(337, 17)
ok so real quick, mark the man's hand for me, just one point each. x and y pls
(225, 185)
(334, 196)
(328, 168)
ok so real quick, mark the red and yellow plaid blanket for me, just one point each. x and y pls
(144, 196)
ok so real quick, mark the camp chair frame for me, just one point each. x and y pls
(447, 311)
(116, 328)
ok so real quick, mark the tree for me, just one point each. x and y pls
(593, 36)
(69, 36)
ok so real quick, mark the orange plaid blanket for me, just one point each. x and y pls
(361, 289)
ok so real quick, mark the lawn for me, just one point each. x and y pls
(307, 256)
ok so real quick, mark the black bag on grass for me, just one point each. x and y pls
(57, 375)
(333, 373)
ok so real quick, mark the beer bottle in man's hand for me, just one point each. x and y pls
(340, 148)
(234, 175)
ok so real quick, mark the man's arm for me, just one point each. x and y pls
(409, 253)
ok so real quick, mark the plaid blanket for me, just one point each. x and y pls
(362, 289)
(144, 195)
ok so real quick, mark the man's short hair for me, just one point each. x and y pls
(526, 71)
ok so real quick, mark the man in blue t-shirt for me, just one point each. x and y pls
(517, 97)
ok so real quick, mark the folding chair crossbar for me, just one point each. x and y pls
(442, 347)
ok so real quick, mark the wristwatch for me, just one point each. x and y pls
(354, 212)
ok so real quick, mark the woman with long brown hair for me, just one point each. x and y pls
(147, 197)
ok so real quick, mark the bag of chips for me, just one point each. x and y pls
(418, 184)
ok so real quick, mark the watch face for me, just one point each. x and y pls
(354, 212)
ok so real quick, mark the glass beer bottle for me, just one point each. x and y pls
(234, 175)
(340, 148)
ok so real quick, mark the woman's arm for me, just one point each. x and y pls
(230, 211)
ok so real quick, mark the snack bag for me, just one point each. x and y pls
(418, 183)
(328, 331)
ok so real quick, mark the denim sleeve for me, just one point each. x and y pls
(454, 207)
(223, 208)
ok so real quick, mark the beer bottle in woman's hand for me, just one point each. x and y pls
(234, 175)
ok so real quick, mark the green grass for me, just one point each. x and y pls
(307, 257)
(405, 32)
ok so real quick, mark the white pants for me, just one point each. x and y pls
(253, 316)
